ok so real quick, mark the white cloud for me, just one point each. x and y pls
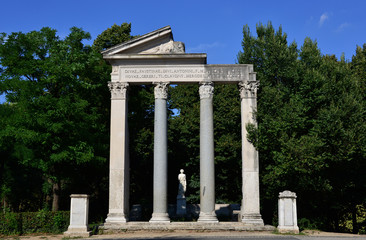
(342, 27)
(323, 18)
(204, 46)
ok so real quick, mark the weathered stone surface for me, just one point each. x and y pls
(79, 211)
(181, 199)
(181, 206)
(166, 48)
(250, 210)
(136, 212)
(160, 187)
(219, 226)
(186, 74)
(207, 164)
(157, 41)
(119, 155)
(155, 58)
(287, 212)
(182, 186)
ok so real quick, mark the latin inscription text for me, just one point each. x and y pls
(185, 74)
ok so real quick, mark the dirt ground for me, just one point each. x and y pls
(185, 233)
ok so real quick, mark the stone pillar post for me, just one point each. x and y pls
(287, 213)
(79, 211)
(160, 208)
(119, 155)
(250, 211)
(207, 161)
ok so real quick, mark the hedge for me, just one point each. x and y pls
(34, 222)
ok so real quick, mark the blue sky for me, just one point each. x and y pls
(213, 27)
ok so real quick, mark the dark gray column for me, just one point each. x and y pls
(250, 209)
(160, 209)
(207, 161)
(119, 155)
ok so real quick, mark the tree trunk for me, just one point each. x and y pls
(5, 204)
(56, 196)
(354, 220)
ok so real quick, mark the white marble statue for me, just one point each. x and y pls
(182, 187)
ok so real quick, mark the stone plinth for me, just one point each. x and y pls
(136, 212)
(287, 215)
(78, 216)
(181, 206)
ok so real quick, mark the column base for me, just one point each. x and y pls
(208, 217)
(74, 233)
(116, 218)
(160, 218)
(252, 219)
(288, 229)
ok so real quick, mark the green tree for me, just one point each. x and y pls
(15, 191)
(113, 36)
(358, 68)
(184, 140)
(310, 128)
(47, 81)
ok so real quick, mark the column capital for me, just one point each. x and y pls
(118, 90)
(161, 90)
(248, 89)
(206, 90)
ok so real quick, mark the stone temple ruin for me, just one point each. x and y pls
(155, 58)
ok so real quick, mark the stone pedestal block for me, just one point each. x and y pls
(78, 216)
(181, 206)
(287, 215)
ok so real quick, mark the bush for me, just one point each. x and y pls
(34, 222)
(305, 224)
(9, 223)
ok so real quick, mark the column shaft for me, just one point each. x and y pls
(119, 155)
(207, 161)
(160, 187)
(250, 208)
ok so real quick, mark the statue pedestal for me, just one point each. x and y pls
(181, 206)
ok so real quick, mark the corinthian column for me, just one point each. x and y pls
(119, 155)
(207, 161)
(160, 208)
(250, 211)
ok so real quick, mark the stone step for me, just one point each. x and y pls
(220, 226)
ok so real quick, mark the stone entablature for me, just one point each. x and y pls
(143, 74)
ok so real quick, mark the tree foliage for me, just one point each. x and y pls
(311, 129)
(311, 134)
(113, 36)
(55, 125)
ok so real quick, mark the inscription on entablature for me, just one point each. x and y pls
(227, 73)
